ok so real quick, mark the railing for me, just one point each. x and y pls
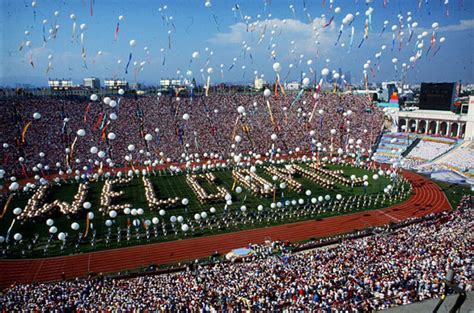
(411, 147)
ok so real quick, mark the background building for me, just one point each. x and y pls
(60, 84)
(115, 83)
(92, 82)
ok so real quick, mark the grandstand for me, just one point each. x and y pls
(392, 146)
(428, 149)
(460, 158)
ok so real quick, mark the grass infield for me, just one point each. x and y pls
(166, 186)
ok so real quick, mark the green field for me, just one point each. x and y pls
(454, 192)
(166, 186)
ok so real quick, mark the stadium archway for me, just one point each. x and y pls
(401, 123)
(431, 127)
(443, 129)
(422, 127)
(412, 125)
(453, 132)
(463, 131)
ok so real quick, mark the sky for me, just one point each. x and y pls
(237, 39)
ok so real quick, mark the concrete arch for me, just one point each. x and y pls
(463, 131)
(454, 130)
(402, 122)
(443, 128)
(411, 125)
(422, 126)
(431, 127)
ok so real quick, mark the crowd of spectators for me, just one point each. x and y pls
(42, 146)
(390, 267)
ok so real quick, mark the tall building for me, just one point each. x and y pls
(347, 77)
(92, 83)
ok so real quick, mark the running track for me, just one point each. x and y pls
(427, 198)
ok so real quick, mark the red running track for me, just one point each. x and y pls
(427, 198)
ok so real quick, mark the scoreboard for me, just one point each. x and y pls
(437, 96)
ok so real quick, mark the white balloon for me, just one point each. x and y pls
(17, 236)
(133, 43)
(36, 116)
(74, 226)
(14, 186)
(276, 67)
(81, 132)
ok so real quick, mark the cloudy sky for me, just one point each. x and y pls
(237, 39)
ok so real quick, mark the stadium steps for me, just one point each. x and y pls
(447, 154)
(388, 150)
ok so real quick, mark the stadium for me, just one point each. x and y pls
(211, 191)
